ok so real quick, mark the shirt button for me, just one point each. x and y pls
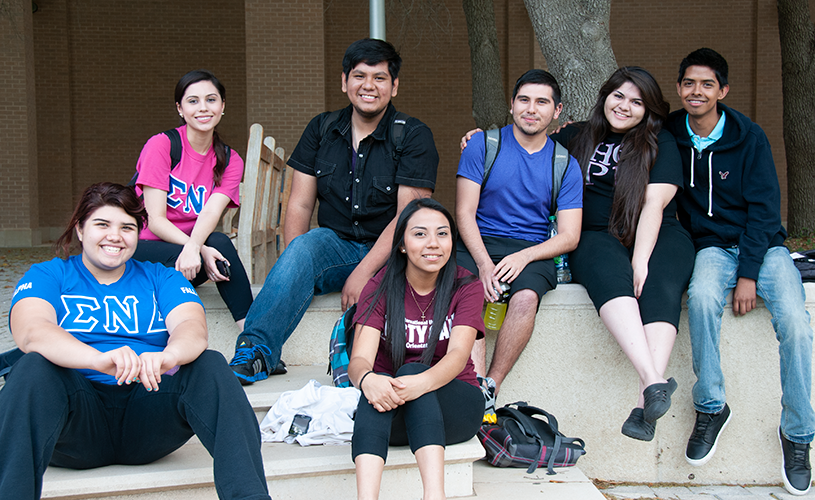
(356, 223)
(360, 155)
(356, 206)
(346, 198)
(388, 188)
(356, 180)
(318, 171)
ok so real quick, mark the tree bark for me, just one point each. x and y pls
(490, 108)
(574, 38)
(797, 34)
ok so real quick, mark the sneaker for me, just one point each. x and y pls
(636, 427)
(705, 436)
(488, 390)
(795, 468)
(249, 364)
(658, 399)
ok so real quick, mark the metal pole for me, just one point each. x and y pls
(377, 19)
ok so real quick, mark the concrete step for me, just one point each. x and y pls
(292, 471)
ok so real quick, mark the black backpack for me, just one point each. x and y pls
(176, 149)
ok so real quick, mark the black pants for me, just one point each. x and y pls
(451, 414)
(236, 293)
(54, 415)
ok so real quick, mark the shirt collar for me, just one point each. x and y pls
(700, 143)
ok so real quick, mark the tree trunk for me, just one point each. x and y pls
(490, 108)
(798, 83)
(574, 39)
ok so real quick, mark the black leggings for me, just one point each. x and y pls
(451, 414)
(603, 265)
(236, 293)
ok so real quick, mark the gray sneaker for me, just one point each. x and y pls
(488, 390)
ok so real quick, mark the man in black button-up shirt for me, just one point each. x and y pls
(346, 160)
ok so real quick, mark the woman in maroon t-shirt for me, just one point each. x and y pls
(417, 380)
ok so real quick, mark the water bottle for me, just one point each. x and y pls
(496, 311)
(564, 274)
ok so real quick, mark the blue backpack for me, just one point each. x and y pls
(339, 348)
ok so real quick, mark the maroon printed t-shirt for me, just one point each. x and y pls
(465, 309)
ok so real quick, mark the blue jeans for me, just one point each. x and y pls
(314, 263)
(779, 284)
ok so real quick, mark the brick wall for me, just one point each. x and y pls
(18, 123)
(106, 73)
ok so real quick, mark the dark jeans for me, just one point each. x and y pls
(51, 415)
(451, 414)
(236, 293)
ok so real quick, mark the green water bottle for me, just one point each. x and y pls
(495, 312)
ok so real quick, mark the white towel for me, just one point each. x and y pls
(331, 410)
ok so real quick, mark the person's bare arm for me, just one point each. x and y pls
(657, 197)
(468, 195)
(187, 326)
(302, 199)
(378, 255)
(34, 328)
(569, 223)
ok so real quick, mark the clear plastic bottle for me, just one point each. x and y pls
(495, 312)
(564, 274)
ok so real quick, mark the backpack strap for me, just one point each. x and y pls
(527, 413)
(328, 121)
(176, 148)
(492, 146)
(349, 328)
(397, 133)
(560, 162)
(527, 426)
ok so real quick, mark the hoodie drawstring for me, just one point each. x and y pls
(709, 176)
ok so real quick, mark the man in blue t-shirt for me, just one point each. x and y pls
(504, 223)
(731, 205)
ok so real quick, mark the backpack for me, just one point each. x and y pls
(176, 149)
(339, 348)
(397, 131)
(560, 162)
(519, 439)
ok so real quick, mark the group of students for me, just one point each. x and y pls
(115, 339)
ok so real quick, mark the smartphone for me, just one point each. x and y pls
(223, 268)
(299, 425)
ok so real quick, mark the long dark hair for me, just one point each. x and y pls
(394, 282)
(200, 75)
(97, 196)
(639, 151)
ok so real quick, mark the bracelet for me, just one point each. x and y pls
(359, 386)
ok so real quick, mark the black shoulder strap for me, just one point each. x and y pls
(176, 147)
(492, 146)
(560, 161)
(397, 133)
(328, 121)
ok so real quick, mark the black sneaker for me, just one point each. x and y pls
(249, 364)
(636, 427)
(705, 436)
(795, 468)
(488, 391)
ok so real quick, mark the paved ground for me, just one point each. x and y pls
(714, 492)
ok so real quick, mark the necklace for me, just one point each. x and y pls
(417, 302)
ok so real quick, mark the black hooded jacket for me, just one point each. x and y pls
(741, 207)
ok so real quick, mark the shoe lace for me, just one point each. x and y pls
(247, 354)
(800, 454)
(702, 423)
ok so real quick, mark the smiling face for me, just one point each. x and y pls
(201, 107)
(624, 108)
(428, 243)
(700, 91)
(533, 108)
(370, 88)
(109, 237)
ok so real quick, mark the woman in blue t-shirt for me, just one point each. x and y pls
(417, 380)
(634, 258)
(116, 369)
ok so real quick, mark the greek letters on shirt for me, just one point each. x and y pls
(417, 331)
(601, 163)
(191, 196)
(83, 313)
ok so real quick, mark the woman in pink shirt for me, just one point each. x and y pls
(185, 202)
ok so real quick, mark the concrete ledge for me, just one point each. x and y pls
(573, 368)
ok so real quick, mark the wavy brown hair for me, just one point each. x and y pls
(97, 196)
(637, 155)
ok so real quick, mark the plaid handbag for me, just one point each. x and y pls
(520, 439)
